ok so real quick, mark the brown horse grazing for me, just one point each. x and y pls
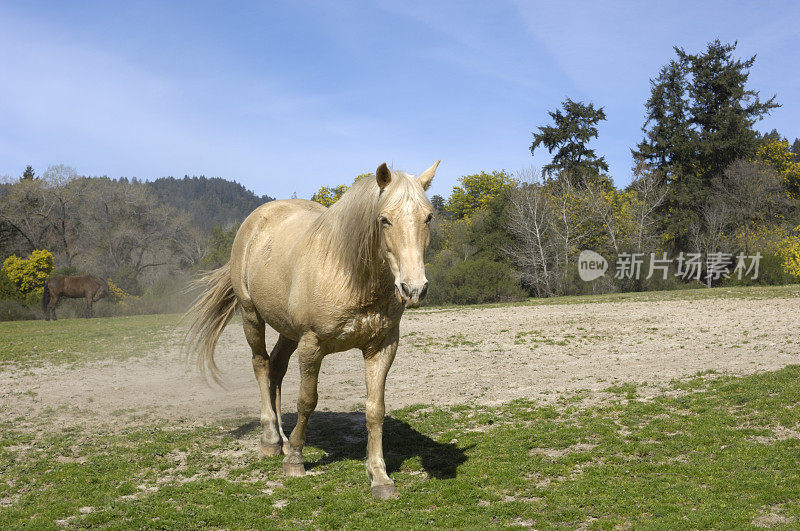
(327, 280)
(57, 286)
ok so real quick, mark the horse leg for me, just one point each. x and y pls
(98, 294)
(376, 366)
(89, 306)
(254, 328)
(51, 307)
(278, 360)
(310, 358)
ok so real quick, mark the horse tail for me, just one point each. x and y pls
(208, 316)
(45, 297)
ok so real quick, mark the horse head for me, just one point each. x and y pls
(405, 217)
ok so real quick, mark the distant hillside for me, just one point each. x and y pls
(211, 201)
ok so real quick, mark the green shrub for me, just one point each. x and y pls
(771, 272)
(473, 281)
(16, 310)
(8, 290)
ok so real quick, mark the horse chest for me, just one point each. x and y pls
(361, 329)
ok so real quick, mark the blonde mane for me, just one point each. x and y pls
(348, 233)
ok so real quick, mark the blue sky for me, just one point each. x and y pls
(287, 96)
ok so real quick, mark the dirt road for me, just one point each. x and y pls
(484, 355)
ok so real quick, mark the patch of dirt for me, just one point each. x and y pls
(560, 452)
(772, 518)
(454, 356)
(779, 433)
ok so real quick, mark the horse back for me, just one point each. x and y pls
(76, 286)
(262, 261)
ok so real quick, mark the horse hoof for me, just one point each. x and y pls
(271, 450)
(384, 492)
(294, 470)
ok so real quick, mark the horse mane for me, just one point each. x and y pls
(348, 232)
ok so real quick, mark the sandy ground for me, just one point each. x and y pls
(483, 355)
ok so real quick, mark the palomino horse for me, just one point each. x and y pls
(57, 286)
(327, 280)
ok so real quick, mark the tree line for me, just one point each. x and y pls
(706, 187)
(705, 184)
(142, 236)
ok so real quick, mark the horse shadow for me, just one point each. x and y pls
(343, 436)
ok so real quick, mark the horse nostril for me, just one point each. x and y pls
(406, 289)
(424, 291)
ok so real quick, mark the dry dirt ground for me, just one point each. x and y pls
(483, 355)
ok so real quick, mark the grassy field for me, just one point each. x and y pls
(711, 451)
(35, 343)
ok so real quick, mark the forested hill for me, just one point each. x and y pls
(211, 201)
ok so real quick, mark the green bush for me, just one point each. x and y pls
(8, 290)
(17, 310)
(14, 305)
(473, 281)
(771, 272)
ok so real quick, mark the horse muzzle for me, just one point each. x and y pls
(411, 293)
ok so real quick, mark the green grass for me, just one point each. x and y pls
(695, 294)
(712, 452)
(35, 343)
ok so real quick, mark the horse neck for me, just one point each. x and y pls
(362, 271)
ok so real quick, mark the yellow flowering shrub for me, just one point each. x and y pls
(119, 295)
(326, 196)
(776, 153)
(456, 235)
(29, 275)
(762, 238)
(790, 252)
(477, 191)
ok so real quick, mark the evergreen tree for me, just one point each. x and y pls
(28, 174)
(668, 140)
(773, 135)
(573, 129)
(211, 201)
(796, 146)
(437, 202)
(700, 118)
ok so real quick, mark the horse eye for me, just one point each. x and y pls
(429, 218)
(385, 222)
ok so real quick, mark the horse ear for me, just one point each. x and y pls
(383, 176)
(427, 176)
